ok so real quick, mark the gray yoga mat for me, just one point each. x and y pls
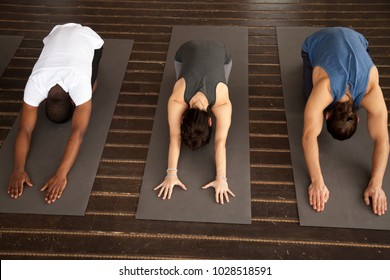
(346, 165)
(49, 140)
(197, 168)
(8, 46)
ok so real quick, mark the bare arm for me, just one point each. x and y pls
(22, 145)
(223, 114)
(377, 127)
(175, 113)
(55, 186)
(313, 121)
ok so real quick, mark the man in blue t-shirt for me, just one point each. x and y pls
(339, 78)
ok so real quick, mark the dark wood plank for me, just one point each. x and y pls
(109, 229)
(154, 245)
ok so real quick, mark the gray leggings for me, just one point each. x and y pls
(228, 68)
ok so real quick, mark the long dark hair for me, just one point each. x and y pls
(195, 128)
(342, 120)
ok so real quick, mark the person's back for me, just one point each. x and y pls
(342, 53)
(202, 67)
(65, 61)
(69, 46)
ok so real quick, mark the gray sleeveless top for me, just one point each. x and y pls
(202, 67)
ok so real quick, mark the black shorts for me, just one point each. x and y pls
(95, 64)
(307, 75)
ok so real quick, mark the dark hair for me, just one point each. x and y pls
(342, 120)
(59, 106)
(195, 128)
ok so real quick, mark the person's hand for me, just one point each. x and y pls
(54, 188)
(378, 197)
(166, 187)
(318, 196)
(222, 190)
(16, 183)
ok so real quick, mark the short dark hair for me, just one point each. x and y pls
(342, 120)
(59, 107)
(195, 128)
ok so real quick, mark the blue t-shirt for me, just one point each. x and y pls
(342, 53)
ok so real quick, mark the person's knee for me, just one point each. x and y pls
(228, 68)
(95, 64)
(178, 66)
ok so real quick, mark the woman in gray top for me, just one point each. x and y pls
(202, 70)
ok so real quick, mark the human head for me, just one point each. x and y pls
(59, 106)
(341, 120)
(196, 128)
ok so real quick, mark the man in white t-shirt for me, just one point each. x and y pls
(64, 78)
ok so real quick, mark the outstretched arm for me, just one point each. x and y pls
(56, 184)
(19, 176)
(377, 127)
(175, 113)
(312, 126)
(223, 115)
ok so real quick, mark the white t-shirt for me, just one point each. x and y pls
(66, 60)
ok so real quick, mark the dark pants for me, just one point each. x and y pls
(95, 64)
(307, 75)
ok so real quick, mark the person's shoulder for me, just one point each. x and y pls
(222, 94)
(373, 82)
(321, 95)
(373, 93)
(178, 91)
(320, 75)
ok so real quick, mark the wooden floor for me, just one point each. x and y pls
(109, 229)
